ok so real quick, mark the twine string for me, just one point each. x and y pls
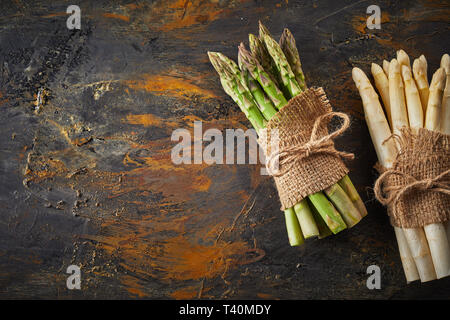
(282, 160)
(390, 195)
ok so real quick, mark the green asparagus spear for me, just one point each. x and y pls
(306, 220)
(258, 73)
(345, 206)
(283, 67)
(328, 212)
(259, 51)
(238, 92)
(324, 231)
(263, 31)
(234, 88)
(289, 47)
(265, 105)
(353, 194)
(323, 202)
(293, 228)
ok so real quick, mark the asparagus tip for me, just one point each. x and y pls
(403, 58)
(406, 73)
(417, 67)
(438, 80)
(394, 67)
(263, 29)
(423, 60)
(445, 63)
(376, 69)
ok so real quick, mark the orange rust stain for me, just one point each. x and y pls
(190, 292)
(81, 141)
(264, 296)
(435, 4)
(144, 119)
(203, 183)
(169, 85)
(182, 13)
(53, 167)
(145, 251)
(160, 164)
(127, 160)
(117, 16)
(56, 14)
(191, 118)
(132, 286)
(186, 261)
(1, 98)
(148, 120)
(161, 179)
(176, 258)
(133, 6)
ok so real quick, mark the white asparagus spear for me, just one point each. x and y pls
(414, 106)
(448, 232)
(409, 265)
(376, 120)
(445, 118)
(386, 68)
(415, 237)
(403, 58)
(432, 120)
(382, 84)
(385, 148)
(420, 67)
(397, 101)
(413, 103)
(418, 246)
(436, 232)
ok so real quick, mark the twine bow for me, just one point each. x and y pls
(288, 156)
(390, 195)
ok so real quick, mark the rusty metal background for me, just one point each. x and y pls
(86, 176)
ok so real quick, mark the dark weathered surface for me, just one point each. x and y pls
(146, 228)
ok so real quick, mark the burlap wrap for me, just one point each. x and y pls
(315, 164)
(416, 189)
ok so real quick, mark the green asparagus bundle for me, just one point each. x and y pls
(263, 82)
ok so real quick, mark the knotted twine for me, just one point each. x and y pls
(416, 189)
(299, 150)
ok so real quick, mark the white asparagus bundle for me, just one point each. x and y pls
(385, 148)
(445, 118)
(425, 252)
(436, 233)
(415, 237)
